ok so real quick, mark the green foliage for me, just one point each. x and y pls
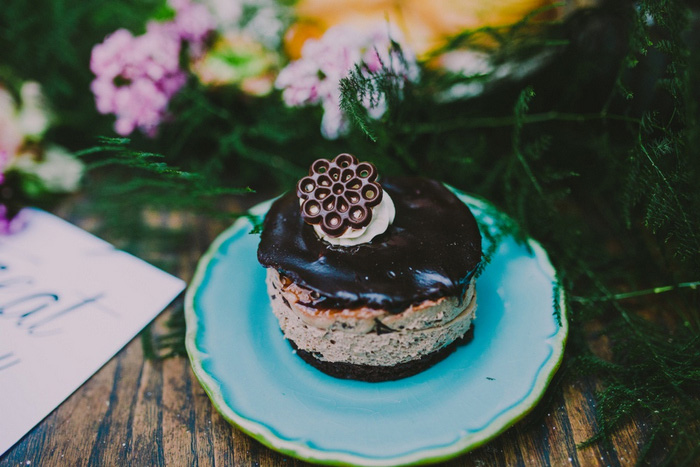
(168, 344)
(587, 136)
(363, 89)
(607, 180)
(50, 41)
(170, 184)
(124, 181)
(670, 374)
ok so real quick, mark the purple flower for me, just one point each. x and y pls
(315, 77)
(10, 224)
(9, 221)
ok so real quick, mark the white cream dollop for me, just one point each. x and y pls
(382, 216)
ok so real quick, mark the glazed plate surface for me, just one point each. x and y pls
(257, 383)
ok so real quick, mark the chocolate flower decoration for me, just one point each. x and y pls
(339, 194)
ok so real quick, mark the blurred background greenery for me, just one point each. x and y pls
(585, 130)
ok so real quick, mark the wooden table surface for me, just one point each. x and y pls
(138, 411)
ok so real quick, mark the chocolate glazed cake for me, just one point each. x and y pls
(370, 281)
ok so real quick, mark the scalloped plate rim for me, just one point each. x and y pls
(464, 444)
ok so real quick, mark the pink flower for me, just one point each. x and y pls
(136, 77)
(4, 160)
(315, 77)
(193, 22)
(141, 104)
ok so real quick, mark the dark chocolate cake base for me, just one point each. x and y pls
(375, 374)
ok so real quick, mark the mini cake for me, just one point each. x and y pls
(371, 281)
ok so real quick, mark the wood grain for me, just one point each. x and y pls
(140, 412)
(136, 411)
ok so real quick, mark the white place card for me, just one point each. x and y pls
(68, 303)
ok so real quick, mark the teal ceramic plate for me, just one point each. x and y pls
(257, 383)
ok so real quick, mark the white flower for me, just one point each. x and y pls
(11, 136)
(20, 121)
(227, 12)
(33, 116)
(466, 62)
(59, 171)
(267, 26)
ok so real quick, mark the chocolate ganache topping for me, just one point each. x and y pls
(430, 251)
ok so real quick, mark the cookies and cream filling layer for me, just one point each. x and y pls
(367, 336)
